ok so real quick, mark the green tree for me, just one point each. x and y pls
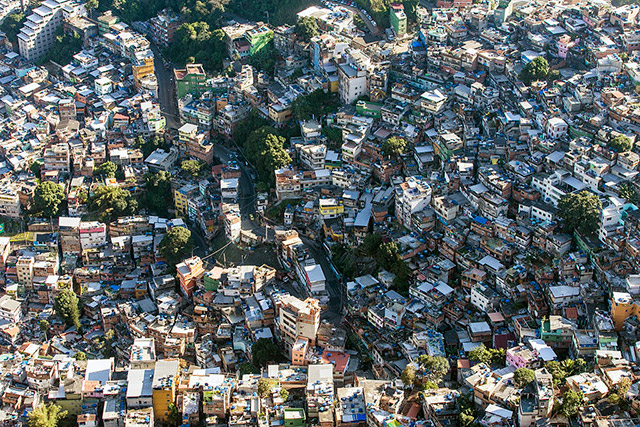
(284, 394)
(80, 355)
(265, 149)
(193, 167)
(91, 5)
(11, 26)
(149, 145)
(307, 28)
(535, 70)
(112, 202)
(174, 417)
(47, 198)
(394, 146)
(36, 169)
(66, 306)
(107, 169)
(480, 354)
(371, 244)
(264, 351)
(157, 197)
(63, 48)
(247, 368)
(466, 412)
(315, 104)
(410, 8)
(265, 386)
(561, 370)
(629, 193)
(620, 144)
(44, 327)
(523, 376)
(196, 42)
(408, 375)
(580, 211)
(46, 416)
(571, 402)
(176, 245)
(433, 368)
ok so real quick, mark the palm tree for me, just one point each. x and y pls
(46, 416)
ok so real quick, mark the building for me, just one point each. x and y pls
(10, 309)
(143, 354)
(352, 83)
(93, 234)
(297, 319)
(398, 19)
(139, 388)
(166, 377)
(190, 80)
(9, 202)
(190, 271)
(258, 38)
(163, 27)
(413, 195)
(39, 31)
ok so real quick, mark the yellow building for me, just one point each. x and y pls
(141, 69)
(623, 306)
(181, 198)
(330, 208)
(165, 386)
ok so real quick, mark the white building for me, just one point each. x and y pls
(612, 211)
(312, 155)
(554, 186)
(93, 234)
(9, 202)
(413, 195)
(312, 278)
(556, 127)
(139, 389)
(39, 31)
(103, 86)
(352, 83)
(10, 309)
(229, 188)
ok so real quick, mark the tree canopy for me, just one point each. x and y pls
(12, 24)
(580, 212)
(490, 356)
(561, 370)
(193, 167)
(523, 376)
(264, 351)
(572, 400)
(394, 146)
(47, 198)
(112, 202)
(149, 145)
(46, 416)
(66, 306)
(535, 70)
(157, 197)
(629, 192)
(196, 42)
(620, 144)
(316, 104)
(265, 387)
(176, 245)
(307, 28)
(265, 149)
(107, 169)
(63, 48)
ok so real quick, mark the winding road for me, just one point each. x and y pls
(247, 197)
